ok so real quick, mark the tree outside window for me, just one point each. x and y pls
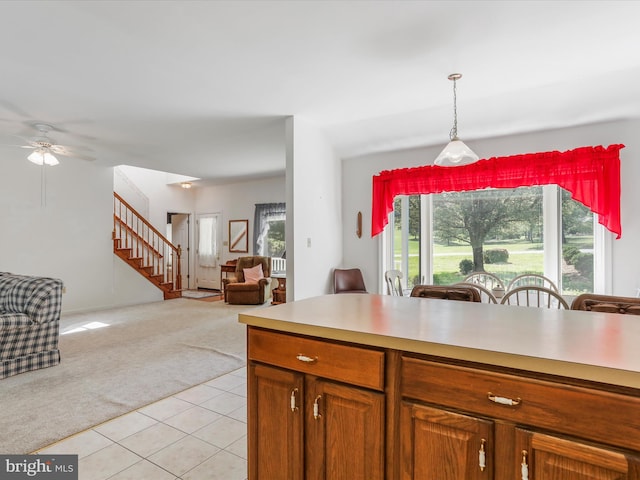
(501, 231)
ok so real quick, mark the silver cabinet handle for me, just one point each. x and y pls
(294, 392)
(316, 408)
(306, 359)
(524, 467)
(482, 458)
(504, 400)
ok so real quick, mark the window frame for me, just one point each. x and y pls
(552, 243)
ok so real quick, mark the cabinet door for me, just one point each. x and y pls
(545, 457)
(438, 444)
(344, 432)
(275, 423)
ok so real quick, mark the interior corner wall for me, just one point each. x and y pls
(66, 237)
(314, 183)
(625, 262)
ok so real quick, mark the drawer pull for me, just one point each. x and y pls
(316, 407)
(524, 467)
(306, 359)
(504, 400)
(294, 392)
(482, 459)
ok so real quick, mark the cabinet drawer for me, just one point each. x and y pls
(345, 363)
(610, 418)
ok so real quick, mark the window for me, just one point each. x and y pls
(440, 238)
(269, 234)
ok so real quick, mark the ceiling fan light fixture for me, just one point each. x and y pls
(456, 152)
(42, 156)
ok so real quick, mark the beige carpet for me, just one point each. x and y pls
(143, 354)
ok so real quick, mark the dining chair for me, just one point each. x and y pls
(447, 292)
(534, 296)
(486, 279)
(393, 279)
(486, 296)
(592, 302)
(348, 280)
(532, 279)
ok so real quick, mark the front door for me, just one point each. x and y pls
(180, 237)
(209, 235)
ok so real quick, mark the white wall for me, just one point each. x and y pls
(237, 202)
(69, 237)
(358, 173)
(314, 195)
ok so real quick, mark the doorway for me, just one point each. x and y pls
(178, 233)
(209, 242)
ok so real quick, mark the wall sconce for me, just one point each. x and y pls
(186, 185)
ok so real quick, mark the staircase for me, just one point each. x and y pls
(145, 249)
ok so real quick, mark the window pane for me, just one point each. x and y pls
(406, 239)
(498, 231)
(577, 247)
(274, 245)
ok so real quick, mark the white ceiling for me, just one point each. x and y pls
(201, 88)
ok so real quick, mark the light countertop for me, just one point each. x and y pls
(585, 345)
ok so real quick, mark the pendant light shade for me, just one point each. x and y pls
(456, 152)
(42, 156)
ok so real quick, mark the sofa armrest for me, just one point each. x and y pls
(40, 298)
(13, 321)
(228, 280)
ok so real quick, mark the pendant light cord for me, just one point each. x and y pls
(453, 134)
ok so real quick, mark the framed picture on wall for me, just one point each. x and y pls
(239, 236)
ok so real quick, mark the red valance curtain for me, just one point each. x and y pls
(590, 174)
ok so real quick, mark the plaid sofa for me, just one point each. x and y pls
(29, 323)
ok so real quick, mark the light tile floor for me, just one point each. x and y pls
(197, 434)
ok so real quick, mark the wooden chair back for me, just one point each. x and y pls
(532, 279)
(486, 296)
(534, 296)
(393, 279)
(485, 279)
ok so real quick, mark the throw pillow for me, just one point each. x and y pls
(253, 274)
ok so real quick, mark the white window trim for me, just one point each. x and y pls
(602, 244)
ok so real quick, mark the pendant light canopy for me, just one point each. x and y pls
(456, 152)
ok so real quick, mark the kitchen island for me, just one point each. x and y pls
(375, 386)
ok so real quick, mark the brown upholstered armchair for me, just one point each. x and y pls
(239, 292)
(592, 302)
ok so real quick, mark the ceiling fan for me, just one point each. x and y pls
(45, 150)
(45, 147)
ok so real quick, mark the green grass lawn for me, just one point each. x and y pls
(524, 257)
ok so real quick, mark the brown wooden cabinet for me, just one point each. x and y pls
(527, 428)
(324, 409)
(547, 457)
(276, 419)
(445, 445)
(303, 425)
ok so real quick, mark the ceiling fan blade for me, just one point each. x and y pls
(16, 146)
(70, 148)
(81, 157)
(68, 152)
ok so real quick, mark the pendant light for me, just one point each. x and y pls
(456, 152)
(42, 156)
